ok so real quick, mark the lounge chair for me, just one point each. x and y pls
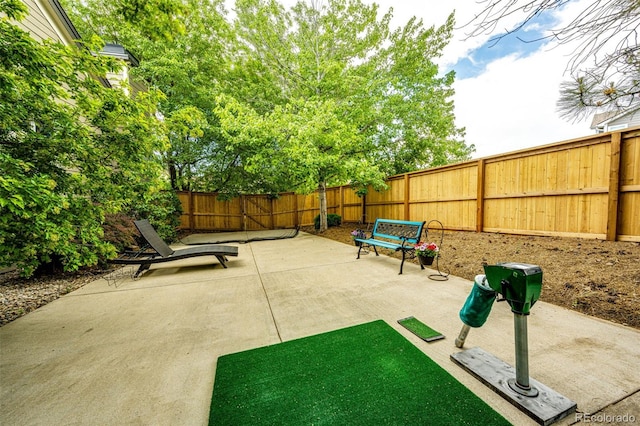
(164, 253)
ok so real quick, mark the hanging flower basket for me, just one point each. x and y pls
(357, 233)
(426, 252)
(426, 260)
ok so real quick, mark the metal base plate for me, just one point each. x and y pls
(545, 408)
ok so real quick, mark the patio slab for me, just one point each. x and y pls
(144, 351)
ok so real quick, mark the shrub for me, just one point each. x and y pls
(332, 220)
(71, 151)
(162, 209)
(120, 231)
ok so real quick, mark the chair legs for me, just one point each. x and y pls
(141, 269)
(222, 260)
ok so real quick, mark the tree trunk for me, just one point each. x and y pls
(173, 175)
(322, 197)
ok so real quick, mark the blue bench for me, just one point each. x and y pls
(396, 235)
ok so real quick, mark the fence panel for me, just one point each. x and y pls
(447, 194)
(352, 206)
(212, 214)
(629, 210)
(388, 204)
(185, 217)
(258, 212)
(285, 211)
(560, 190)
(587, 187)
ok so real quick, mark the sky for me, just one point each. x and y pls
(505, 94)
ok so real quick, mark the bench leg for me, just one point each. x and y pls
(370, 245)
(402, 263)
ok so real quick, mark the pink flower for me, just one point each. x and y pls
(426, 249)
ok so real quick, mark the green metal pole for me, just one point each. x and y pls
(521, 383)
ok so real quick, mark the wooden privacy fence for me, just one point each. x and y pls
(587, 187)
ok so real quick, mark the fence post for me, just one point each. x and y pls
(243, 203)
(191, 218)
(480, 196)
(363, 217)
(271, 215)
(614, 187)
(296, 221)
(407, 194)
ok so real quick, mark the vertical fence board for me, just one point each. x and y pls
(614, 187)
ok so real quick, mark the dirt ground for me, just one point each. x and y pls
(598, 278)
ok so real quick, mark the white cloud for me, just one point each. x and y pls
(512, 105)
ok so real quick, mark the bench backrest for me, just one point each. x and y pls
(400, 230)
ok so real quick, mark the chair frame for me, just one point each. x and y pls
(163, 253)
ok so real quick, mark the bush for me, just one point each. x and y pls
(71, 151)
(332, 220)
(40, 226)
(162, 209)
(120, 231)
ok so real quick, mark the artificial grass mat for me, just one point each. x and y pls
(420, 329)
(361, 375)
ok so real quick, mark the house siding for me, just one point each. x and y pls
(46, 20)
(632, 119)
(42, 24)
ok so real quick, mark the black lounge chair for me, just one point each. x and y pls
(164, 253)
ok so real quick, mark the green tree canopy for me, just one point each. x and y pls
(267, 99)
(350, 99)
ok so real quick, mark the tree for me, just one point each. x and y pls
(71, 150)
(283, 100)
(349, 100)
(605, 33)
(155, 20)
(189, 68)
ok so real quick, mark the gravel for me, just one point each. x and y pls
(19, 296)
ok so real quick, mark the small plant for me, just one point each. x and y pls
(357, 233)
(427, 249)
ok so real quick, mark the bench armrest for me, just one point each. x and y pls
(404, 241)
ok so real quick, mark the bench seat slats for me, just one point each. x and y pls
(382, 243)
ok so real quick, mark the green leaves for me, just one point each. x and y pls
(377, 92)
(290, 99)
(71, 151)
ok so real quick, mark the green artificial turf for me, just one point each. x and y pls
(362, 375)
(420, 329)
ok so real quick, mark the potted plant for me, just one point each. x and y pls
(357, 233)
(426, 252)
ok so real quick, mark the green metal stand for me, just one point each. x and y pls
(439, 276)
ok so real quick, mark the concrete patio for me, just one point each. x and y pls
(141, 352)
